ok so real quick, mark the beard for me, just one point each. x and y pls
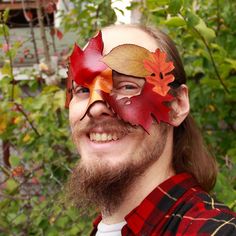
(105, 186)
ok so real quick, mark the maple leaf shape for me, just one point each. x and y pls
(87, 69)
(140, 110)
(160, 72)
(86, 65)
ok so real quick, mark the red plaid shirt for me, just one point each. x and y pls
(178, 206)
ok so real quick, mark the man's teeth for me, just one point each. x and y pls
(103, 137)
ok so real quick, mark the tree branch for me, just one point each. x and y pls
(212, 59)
(7, 40)
(19, 108)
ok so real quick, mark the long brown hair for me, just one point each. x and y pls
(189, 152)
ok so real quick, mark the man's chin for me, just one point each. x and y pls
(99, 185)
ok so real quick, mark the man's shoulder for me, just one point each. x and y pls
(206, 216)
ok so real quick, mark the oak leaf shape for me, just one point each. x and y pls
(160, 71)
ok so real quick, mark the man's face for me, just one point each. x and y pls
(114, 154)
(101, 136)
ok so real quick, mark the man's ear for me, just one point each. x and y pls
(179, 106)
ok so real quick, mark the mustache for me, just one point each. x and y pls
(107, 124)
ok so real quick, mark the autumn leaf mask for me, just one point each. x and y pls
(92, 72)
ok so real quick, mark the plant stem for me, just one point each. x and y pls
(7, 40)
(51, 30)
(19, 108)
(31, 32)
(44, 38)
(6, 153)
(212, 59)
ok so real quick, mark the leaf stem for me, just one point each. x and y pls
(212, 60)
(19, 108)
(7, 40)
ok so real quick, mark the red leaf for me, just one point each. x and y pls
(59, 34)
(28, 15)
(21, 60)
(141, 109)
(52, 31)
(5, 47)
(160, 70)
(86, 65)
(50, 7)
(18, 171)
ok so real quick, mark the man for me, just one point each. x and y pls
(143, 163)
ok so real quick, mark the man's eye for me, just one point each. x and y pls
(129, 86)
(81, 92)
(126, 88)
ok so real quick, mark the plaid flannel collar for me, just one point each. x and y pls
(157, 205)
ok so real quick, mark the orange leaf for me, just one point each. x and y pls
(103, 82)
(160, 72)
(18, 171)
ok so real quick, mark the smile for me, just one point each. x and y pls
(104, 137)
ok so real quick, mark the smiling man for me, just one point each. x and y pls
(143, 162)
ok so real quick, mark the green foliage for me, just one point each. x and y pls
(34, 122)
(87, 17)
(205, 34)
(33, 119)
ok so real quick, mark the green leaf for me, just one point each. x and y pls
(20, 219)
(59, 99)
(5, 15)
(175, 21)
(6, 69)
(4, 30)
(74, 230)
(62, 221)
(174, 6)
(206, 32)
(14, 160)
(11, 185)
(151, 4)
(232, 62)
(192, 19)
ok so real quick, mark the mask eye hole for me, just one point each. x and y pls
(127, 88)
(81, 92)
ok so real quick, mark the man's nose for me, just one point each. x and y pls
(99, 109)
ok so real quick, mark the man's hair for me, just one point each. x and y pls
(189, 152)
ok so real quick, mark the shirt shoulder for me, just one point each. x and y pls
(207, 217)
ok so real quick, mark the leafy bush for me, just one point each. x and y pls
(205, 34)
(34, 124)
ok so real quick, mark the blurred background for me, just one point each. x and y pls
(36, 152)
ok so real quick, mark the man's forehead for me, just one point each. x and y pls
(117, 35)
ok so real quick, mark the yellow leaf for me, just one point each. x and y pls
(3, 125)
(26, 138)
(211, 108)
(16, 120)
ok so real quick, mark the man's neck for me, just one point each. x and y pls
(145, 184)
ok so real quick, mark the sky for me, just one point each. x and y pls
(122, 4)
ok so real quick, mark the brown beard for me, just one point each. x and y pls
(104, 186)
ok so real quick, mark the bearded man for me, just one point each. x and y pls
(143, 162)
